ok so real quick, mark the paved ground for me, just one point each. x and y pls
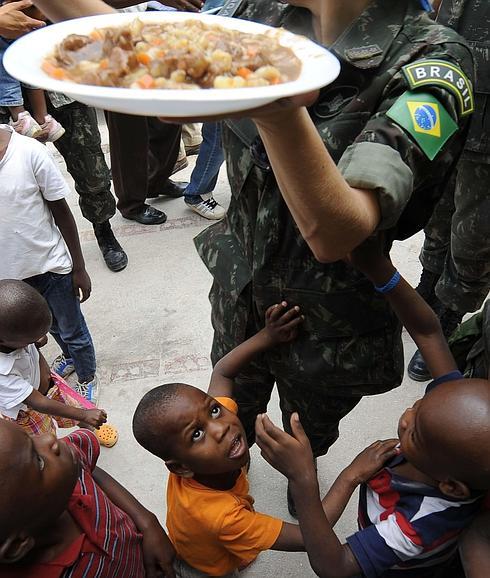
(150, 325)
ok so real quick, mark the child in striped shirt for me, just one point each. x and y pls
(414, 502)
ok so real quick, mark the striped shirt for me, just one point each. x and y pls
(109, 545)
(406, 527)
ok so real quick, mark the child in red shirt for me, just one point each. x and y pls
(61, 515)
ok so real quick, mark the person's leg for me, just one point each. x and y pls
(163, 150)
(198, 194)
(37, 101)
(320, 415)
(192, 138)
(69, 327)
(11, 98)
(436, 243)
(129, 148)
(51, 128)
(81, 149)
(465, 281)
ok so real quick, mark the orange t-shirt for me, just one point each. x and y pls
(217, 531)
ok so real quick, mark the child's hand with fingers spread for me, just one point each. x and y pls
(370, 461)
(94, 417)
(281, 323)
(290, 455)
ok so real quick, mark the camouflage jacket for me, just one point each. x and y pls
(471, 18)
(350, 337)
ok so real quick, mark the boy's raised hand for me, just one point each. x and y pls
(289, 454)
(281, 323)
(370, 461)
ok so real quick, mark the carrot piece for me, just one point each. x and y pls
(156, 41)
(143, 58)
(54, 71)
(104, 63)
(275, 80)
(244, 72)
(146, 81)
(160, 54)
(96, 35)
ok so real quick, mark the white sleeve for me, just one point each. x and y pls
(14, 390)
(51, 183)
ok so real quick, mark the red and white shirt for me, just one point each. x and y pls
(109, 545)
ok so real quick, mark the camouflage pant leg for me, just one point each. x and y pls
(320, 414)
(438, 231)
(465, 282)
(80, 146)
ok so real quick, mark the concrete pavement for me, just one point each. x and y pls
(151, 325)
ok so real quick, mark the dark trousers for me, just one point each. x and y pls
(143, 154)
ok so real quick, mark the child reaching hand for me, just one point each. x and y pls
(413, 507)
(27, 392)
(210, 516)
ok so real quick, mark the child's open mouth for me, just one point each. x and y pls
(238, 447)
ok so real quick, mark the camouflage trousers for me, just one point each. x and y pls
(81, 149)
(457, 237)
(320, 412)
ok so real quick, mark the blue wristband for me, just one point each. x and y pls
(426, 5)
(392, 283)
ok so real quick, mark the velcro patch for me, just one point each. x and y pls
(425, 119)
(444, 74)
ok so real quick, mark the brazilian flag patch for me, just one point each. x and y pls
(425, 119)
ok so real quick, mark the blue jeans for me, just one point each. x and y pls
(10, 89)
(69, 327)
(209, 160)
(212, 4)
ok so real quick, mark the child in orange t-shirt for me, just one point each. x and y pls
(210, 516)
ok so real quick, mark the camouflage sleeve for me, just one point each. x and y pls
(395, 157)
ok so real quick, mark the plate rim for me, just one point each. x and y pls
(118, 94)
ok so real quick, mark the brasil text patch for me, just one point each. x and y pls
(444, 74)
(425, 119)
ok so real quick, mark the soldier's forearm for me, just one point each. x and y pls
(332, 216)
(57, 10)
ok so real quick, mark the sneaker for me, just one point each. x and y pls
(63, 366)
(206, 206)
(88, 389)
(52, 129)
(26, 125)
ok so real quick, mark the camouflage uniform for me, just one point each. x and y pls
(457, 238)
(350, 343)
(81, 149)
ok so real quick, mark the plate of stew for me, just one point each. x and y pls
(171, 64)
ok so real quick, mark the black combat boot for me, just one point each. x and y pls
(114, 256)
(449, 319)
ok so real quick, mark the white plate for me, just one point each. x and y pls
(23, 60)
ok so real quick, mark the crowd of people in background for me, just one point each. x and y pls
(304, 298)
